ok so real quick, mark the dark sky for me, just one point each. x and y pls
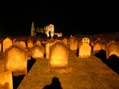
(69, 19)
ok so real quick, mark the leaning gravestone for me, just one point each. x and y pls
(6, 80)
(7, 42)
(37, 52)
(16, 60)
(58, 55)
(85, 48)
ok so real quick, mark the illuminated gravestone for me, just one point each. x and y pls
(112, 49)
(98, 46)
(16, 60)
(73, 43)
(21, 44)
(38, 43)
(49, 29)
(47, 48)
(37, 52)
(29, 44)
(85, 48)
(48, 45)
(7, 42)
(6, 80)
(58, 55)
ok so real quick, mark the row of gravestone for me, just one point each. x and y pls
(16, 54)
(84, 46)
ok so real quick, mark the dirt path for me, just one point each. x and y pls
(89, 73)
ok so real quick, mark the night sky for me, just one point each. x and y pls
(69, 20)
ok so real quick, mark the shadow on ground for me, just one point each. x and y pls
(54, 85)
(112, 61)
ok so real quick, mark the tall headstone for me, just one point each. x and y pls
(85, 48)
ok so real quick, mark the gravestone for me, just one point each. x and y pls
(85, 48)
(98, 46)
(22, 44)
(58, 55)
(29, 44)
(19, 43)
(112, 49)
(65, 41)
(37, 52)
(16, 60)
(6, 80)
(7, 42)
(73, 43)
(37, 43)
(47, 48)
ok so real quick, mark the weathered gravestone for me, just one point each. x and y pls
(7, 42)
(16, 60)
(85, 48)
(59, 55)
(6, 80)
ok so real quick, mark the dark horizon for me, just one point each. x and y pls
(67, 21)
